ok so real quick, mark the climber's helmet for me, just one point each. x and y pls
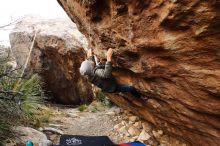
(86, 68)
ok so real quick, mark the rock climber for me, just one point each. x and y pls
(101, 75)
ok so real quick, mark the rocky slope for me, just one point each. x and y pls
(57, 53)
(169, 50)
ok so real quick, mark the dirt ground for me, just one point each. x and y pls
(98, 120)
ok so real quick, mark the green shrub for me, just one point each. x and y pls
(20, 100)
(5, 131)
(82, 107)
(100, 96)
(94, 110)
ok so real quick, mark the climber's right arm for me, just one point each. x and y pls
(107, 72)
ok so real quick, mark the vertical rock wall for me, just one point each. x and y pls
(169, 50)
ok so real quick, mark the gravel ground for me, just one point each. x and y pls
(74, 122)
(97, 120)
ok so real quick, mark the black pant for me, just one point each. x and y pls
(127, 88)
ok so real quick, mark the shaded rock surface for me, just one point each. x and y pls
(57, 53)
(169, 50)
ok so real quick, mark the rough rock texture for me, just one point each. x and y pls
(169, 50)
(57, 53)
(23, 134)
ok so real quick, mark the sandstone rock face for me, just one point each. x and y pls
(170, 51)
(57, 53)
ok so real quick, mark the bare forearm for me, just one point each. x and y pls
(109, 55)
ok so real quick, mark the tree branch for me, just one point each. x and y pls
(11, 23)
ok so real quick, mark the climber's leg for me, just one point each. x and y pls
(127, 88)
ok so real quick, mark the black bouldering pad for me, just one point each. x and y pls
(78, 140)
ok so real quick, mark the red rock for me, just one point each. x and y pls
(169, 50)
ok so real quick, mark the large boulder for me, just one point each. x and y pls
(169, 50)
(23, 134)
(58, 50)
